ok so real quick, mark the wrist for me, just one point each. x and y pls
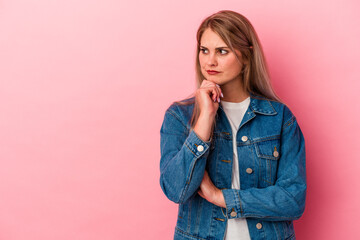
(203, 127)
(219, 199)
(207, 116)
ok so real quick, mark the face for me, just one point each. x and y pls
(215, 55)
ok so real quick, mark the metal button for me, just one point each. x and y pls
(249, 170)
(200, 148)
(258, 225)
(233, 214)
(244, 138)
(276, 153)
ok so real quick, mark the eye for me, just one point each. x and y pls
(203, 50)
(223, 51)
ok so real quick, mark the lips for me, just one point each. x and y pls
(212, 72)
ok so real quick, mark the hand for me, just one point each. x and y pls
(210, 192)
(208, 97)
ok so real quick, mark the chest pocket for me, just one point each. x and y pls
(268, 153)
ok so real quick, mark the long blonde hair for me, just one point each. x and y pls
(238, 33)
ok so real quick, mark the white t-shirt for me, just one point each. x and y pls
(237, 228)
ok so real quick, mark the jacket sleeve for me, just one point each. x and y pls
(285, 200)
(183, 158)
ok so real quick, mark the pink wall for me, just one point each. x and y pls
(84, 86)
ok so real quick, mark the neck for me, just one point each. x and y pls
(234, 92)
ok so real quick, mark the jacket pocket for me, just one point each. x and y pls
(268, 153)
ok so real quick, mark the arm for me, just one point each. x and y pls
(285, 200)
(183, 158)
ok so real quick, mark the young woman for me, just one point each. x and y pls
(233, 155)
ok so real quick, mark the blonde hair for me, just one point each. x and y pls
(238, 34)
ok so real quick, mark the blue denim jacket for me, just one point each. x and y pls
(273, 192)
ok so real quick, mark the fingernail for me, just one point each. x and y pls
(222, 95)
(218, 99)
(217, 85)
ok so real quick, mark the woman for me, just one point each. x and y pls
(233, 155)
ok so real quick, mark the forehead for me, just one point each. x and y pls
(211, 39)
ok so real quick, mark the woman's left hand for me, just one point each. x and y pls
(210, 192)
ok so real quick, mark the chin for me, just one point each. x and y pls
(213, 78)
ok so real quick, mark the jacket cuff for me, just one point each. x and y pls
(196, 145)
(233, 203)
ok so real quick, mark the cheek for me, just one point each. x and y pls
(232, 65)
(201, 60)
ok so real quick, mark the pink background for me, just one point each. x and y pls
(83, 89)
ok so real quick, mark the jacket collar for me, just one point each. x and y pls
(260, 105)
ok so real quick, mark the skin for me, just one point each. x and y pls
(215, 55)
(224, 61)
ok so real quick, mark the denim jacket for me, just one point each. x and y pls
(271, 155)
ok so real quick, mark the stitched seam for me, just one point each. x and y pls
(272, 217)
(223, 211)
(277, 230)
(263, 139)
(268, 181)
(172, 112)
(289, 122)
(187, 234)
(270, 171)
(283, 227)
(257, 148)
(197, 226)
(187, 182)
(264, 231)
(189, 217)
(271, 105)
(241, 210)
(181, 213)
(187, 145)
(254, 164)
(246, 121)
(262, 98)
(260, 161)
(291, 236)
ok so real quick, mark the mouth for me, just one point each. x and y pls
(212, 72)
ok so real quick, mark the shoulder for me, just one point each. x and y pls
(182, 107)
(280, 109)
(181, 110)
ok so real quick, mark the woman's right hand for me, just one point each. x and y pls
(208, 97)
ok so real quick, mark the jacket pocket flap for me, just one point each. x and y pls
(269, 149)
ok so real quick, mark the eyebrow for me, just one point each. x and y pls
(215, 48)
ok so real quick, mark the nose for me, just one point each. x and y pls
(211, 60)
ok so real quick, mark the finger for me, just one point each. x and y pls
(208, 91)
(200, 193)
(217, 89)
(209, 84)
(221, 94)
(211, 90)
(206, 177)
(205, 83)
(214, 94)
(217, 93)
